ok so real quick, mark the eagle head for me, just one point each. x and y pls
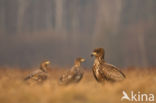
(44, 65)
(79, 60)
(98, 52)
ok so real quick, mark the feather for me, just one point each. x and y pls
(39, 75)
(103, 71)
(74, 75)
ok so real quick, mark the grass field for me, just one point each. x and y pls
(14, 90)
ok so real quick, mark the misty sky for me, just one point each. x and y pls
(61, 30)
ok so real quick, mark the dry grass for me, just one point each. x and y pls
(14, 90)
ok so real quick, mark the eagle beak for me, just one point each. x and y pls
(82, 60)
(48, 62)
(93, 54)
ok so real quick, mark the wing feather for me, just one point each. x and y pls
(34, 73)
(111, 72)
(74, 75)
(66, 78)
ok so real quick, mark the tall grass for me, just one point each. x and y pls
(14, 90)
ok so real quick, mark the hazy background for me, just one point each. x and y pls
(60, 30)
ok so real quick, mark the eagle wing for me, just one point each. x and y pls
(78, 77)
(66, 78)
(74, 75)
(111, 72)
(33, 74)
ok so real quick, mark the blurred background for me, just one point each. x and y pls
(60, 30)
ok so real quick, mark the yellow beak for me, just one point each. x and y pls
(82, 60)
(47, 62)
(93, 53)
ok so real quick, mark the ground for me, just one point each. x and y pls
(14, 90)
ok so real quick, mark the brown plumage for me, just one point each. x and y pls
(74, 75)
(40, 74)
(103, 71)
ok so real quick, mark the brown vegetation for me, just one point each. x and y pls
(14, 90)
